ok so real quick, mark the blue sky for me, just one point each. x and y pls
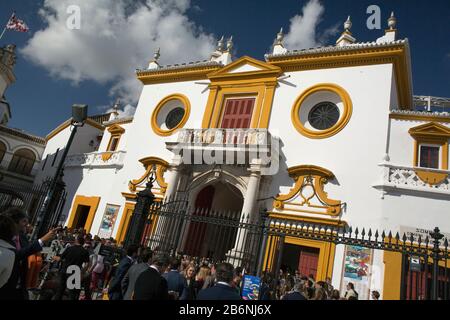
(57, 68)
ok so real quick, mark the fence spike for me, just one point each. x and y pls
(370, 233)
(376, 234)
(350, 230)
(356, 232)
(404, 238)
(390, 235)
(363, 233)
(419, 239)
(427, 240)
(446, 243)
(411, 238)
(397, 237)
(383, 235)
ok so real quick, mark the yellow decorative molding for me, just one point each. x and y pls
(313, 178)
(125, 221)
(315, 220)
(67, 123)
(225, 84)
(393, 54)
(115, 129)
(92, 203)
(187, 110)
(148, 163)
(343, 120)
(175, 75)
(431, 133)
(106, 156)
(432, 178)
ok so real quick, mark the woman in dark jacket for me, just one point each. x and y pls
(191, 286)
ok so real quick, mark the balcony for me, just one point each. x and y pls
(414, 179)
(225, 146)
(96, 160)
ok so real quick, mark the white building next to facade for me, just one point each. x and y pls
(20, 152)
(347, 147)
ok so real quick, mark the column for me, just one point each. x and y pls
(249, 208)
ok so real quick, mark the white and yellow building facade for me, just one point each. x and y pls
(350, 149)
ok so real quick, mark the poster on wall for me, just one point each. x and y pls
(251, 287)
(108, 221)
(357, 270)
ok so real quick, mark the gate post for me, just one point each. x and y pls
(137, 224)
(265, 234)
(437, 236)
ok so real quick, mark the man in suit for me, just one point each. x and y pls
(223, 289)
(175, 281)
(115, 287)
(151, 285)
(133, 273)
(24, 249)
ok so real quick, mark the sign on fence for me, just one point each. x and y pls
(423, 233)
(250, 290)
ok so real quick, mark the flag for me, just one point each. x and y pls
(17, 24)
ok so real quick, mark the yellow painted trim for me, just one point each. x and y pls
(119, 121)
(425, 118)
(115, 129)
(394, 54)
(432, 178)
(91, 202)
(326, 255)
(319, 177)
(67, 123)
(176, 75)
(431, 133)
(187, 110)
(259, 84)
(124, 221)
(119, 136)
(106, 156)
(343, 121)
(392, 275)
(129, 196)
(148, 162)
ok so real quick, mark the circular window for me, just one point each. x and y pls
(322, 111)
(174, 117)
(170, 114)
(323, 115)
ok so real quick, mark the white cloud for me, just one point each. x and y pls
(116, 37)
(303, 29)
(127, 111)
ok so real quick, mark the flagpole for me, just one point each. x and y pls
(4, 30)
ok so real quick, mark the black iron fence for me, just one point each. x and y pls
(256, 243)
(31, 198)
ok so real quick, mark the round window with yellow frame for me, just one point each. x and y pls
(322, 111)
(170, 114)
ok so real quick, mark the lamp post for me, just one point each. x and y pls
(79, 115)
(145, 199)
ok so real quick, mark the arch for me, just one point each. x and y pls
(27, 147)
(22, 161)
(214, 176)
(3, 149)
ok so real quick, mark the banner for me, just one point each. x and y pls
(250, 289)
(108, 221)
(357, 270)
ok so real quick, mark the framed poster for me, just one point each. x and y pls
(250, 290)
(357, 270)
(108, 221)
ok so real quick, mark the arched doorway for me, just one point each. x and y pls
(206, 238)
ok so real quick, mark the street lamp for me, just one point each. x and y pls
(79, 116)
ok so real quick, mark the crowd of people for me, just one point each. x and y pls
(132, 273)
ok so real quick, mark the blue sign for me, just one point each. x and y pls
(251, 286)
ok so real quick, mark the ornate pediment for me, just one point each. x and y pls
(116, 129)
(151, 164)
(246, 66)
(431, 130)
(308, 194)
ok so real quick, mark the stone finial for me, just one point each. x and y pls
(392, 21)
(230, 44)
(116, 106)
(221, 44)
(157, 54)
(280, 38)
(346, 37)
(348, 24)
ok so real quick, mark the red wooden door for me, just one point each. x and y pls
(197, 230)
(238, 113)
(308, 262)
